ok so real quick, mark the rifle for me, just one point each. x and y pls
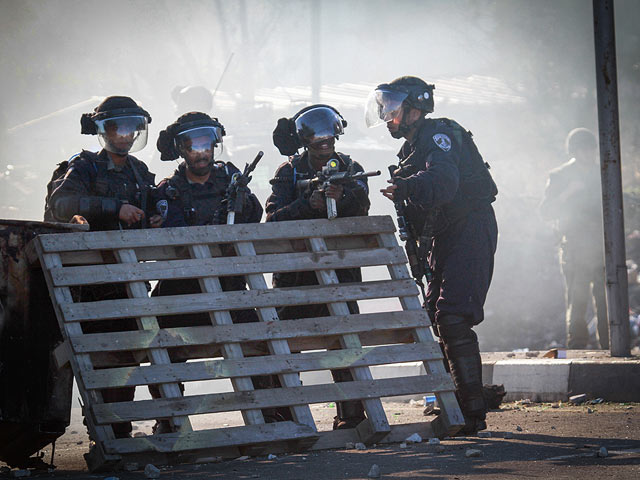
(330, 175)
(237, 189)
(417, 255)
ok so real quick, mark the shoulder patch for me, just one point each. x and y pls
(442, 141)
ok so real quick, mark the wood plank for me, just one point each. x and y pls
(274, 397)
(230, 351)
(220, 301)
(224, 437)
(377, 420)
(281, 330)
(267, 365)
(216, 234)
(157, 356)
(451, 418)
(222, 266)
(79, 363)
(301, 413)
(398, 433)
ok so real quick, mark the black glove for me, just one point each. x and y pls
(402, 192)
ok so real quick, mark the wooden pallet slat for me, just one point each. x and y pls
(235, 300)
(199, 268)
(181, 236)
(273, 364)
(269, 347)
(283, 330)
(276, 397)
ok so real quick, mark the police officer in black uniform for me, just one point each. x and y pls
(196, 195)
(109, 190)
(573, 201)
(449, 192)
(316, 129)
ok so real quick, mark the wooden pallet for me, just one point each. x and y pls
(224, 350)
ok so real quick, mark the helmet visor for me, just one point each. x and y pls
(206, 140)
(383, 106)
(317, 125)
(122, 135)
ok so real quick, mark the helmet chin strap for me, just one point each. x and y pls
(404, 128)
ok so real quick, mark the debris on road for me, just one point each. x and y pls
(360, 446)
(473, 452)
(20, 473)
(434, 441)
(151, 471)
(602, 453)
(484, 434)
(578, 399)
(272, 457)
(374, 472)
(413, 438)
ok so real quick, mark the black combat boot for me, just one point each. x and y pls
(350, 414)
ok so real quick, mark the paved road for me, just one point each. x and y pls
(557, 443)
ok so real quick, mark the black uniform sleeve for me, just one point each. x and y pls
(438, 183)
(283, 203)
(74, 196)
(355, 201)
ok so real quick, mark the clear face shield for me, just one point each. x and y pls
(200, 142)
(383, 106)
(122, 135)
(318, 125)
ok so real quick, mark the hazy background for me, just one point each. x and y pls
(519, 74)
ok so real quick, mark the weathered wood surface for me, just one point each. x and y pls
(157, 356)
(271, 364)
(451, 418)
(299, 229)
(177, 442)
(376, 420)
(234, 300)
(205, 254)
(223, 266)
(239, 333)
(275, 397)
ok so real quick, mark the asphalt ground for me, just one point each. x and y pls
(536, 440)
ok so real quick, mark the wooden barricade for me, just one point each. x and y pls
(227, 350)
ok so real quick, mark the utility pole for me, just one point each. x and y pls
(612, 212)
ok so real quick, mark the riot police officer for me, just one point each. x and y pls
(448, 193)
(109, 190)
(573, 201)
(196, 194)
(315, 129)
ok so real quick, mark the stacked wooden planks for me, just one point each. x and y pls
(227, 350)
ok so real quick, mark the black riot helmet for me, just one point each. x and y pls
(193, 132)
(317, 123)
(580, 139)
(312, 124)
(386, 102)
(120, 123)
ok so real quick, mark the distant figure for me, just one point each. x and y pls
(194, 98)
(573, 200)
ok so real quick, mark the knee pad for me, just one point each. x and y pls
(459, 339)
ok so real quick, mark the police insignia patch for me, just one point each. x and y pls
(442, 141)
